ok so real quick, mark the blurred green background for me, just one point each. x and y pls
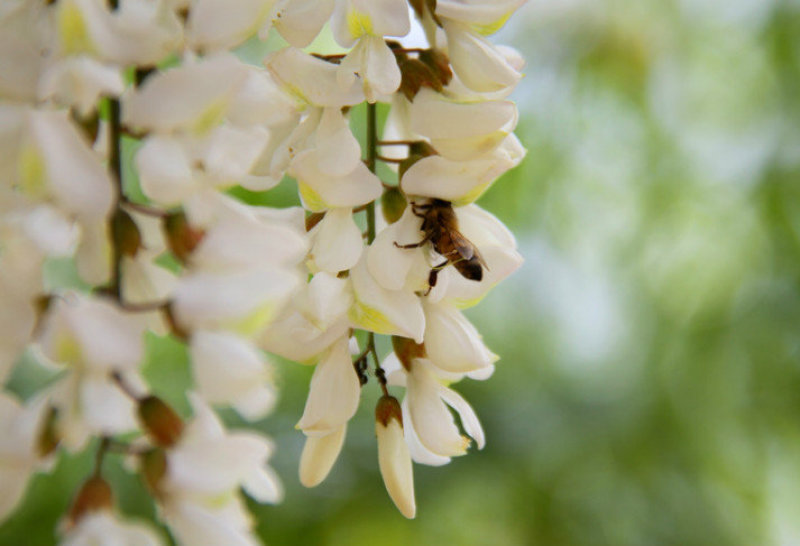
(649, 387)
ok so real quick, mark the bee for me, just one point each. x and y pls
(440, 225)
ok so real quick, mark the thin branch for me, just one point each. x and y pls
(144, 209)
(389, 159)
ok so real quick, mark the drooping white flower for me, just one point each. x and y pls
(105, 527)
(393, 455)
(314, 320)
(19, 429)
(229, 370)
(426, 407)
(337, 241)
(138, 32)
(319, 455)
(334, 392)
(91, 339)
(395, 312)
(199, 498)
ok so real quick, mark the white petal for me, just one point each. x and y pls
(216, 25)
(475, 60)
(419, 453)
(164, 169)
(193, 96)
(452, 342)
(337, 150)
(432, 420)
(320, 190)
(319, 455)
(311, 80)
(264, 486)
(395, 464)
(227, 368)
(338, 242)
(74, 173)
(333, 394)
(395, 312)
(373, 63)
(299, 21)
(456, 181)
(469, 420)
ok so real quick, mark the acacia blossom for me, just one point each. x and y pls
(128, 129)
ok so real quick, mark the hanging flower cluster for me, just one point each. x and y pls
(101, 98)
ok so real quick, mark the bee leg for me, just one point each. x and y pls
(413, 245)
(434, 275)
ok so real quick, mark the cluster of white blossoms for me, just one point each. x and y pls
(100, 99)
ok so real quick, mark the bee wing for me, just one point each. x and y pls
(465, 248)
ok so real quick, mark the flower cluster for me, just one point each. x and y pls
(123, 126)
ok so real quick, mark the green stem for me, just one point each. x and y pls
(115, 162)
(372, 155)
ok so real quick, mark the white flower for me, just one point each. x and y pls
(396, 312)
(80, 81)
(461, 130)
(461, 182)
(138, 32)
(193, 97)
(105, 527)
(299, 21)
(333, 394)
(319, 455)
(452, 342)
(498, 249)
(353, 19)
(229, 370)
(315, 319)
(200, 501)
(19, 427)
(429, 419)
(337, 241)
(310, 80)
(92, 339)
(393, 456)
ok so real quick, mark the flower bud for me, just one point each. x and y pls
(47, 441)
(439, 63)
(153, 466)
(394, 458)
(95, 494)
(407, 350)
(415, 75)
(160, 421)
(125, 234)
(181, 237)
(393, 204)
(313, 219)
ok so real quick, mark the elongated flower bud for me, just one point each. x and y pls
(393, 455)
(161, 422)
(95, 494)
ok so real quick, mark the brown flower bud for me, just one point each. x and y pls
(95, 494)
(407, 350)
(47, 441)
(160, 421)
(125, 234)
(393, 204)
(313, 219)
(181, 237)
(388, 408)
(439, 63)
(415, 75)
(153, 466)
